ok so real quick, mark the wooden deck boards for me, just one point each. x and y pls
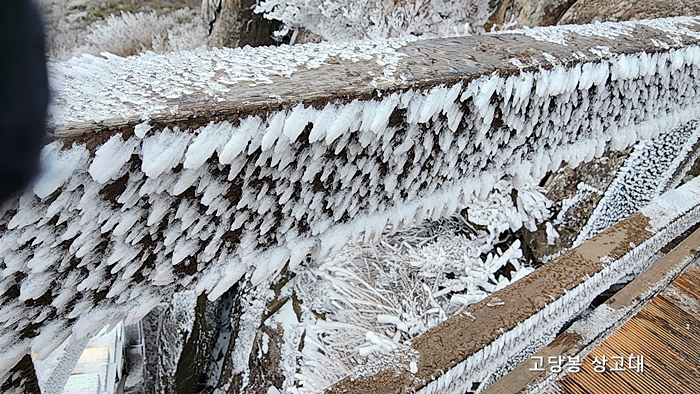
(665, 333)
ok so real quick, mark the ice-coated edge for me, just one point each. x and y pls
(674, 204)
(645, 174)
(675, 28)
(88, 88)
(52, 374)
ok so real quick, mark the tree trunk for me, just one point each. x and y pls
(528, 13)
(232, 23)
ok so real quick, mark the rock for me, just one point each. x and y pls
(254, 361)
(176, 334)
(234, 24)
(574, 206)
(520, 13)
(304, 36)
(528, 13)
(589, 11)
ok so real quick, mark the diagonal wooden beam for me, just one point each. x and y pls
(603, 321)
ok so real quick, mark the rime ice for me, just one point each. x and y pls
(176, 208)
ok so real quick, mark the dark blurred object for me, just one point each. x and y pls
(24, 94)
(21, 379)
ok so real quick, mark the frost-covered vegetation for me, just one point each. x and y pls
(121, 28)
(343, 20)
(130, 27)
(374, 297)
(171, 208)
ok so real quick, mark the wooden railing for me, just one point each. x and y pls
(196, 170)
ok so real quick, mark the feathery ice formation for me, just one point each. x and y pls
(647, 173)
(186, 179)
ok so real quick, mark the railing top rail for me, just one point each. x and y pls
(190, 88)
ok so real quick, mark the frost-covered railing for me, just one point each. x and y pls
(491, 337)
(192, 170)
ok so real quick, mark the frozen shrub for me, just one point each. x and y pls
(339, 20)
(129, 34)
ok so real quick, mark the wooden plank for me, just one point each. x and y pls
(422, 65)
(444, 346)
(668, 365)
(666, 335)
(647, 381)
(634, 295)
(606, 382)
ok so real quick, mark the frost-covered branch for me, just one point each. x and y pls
(76, 28)
(376, 297)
